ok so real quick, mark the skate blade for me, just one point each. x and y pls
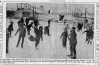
(73, 58)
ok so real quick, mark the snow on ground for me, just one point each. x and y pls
(51, 46)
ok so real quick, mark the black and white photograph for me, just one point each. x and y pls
(50, 30)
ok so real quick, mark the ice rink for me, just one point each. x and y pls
(51, 46)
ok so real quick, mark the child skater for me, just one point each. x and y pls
(46, 30)
(20, 21)
(89, 35)
(22, 34)
(39, 34)
(73, 43)
(64, 37)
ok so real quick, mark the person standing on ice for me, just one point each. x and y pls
(80, 25)
(36, 23)
(41, 32)
(10, 27)
(46, 30)
(29, 27)
(27, 21)
(64, 37)
(22, 34)
(49, 22)
(38, 33)
(7, 40)
(20, 21)
(39, 36)
(73, 43)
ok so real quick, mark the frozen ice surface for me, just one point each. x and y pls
(50, 47)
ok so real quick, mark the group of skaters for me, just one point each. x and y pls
(72, 36)
(72, 40)
(23, 27)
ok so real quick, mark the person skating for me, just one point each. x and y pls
(7, 40)
(36, 23)
(37, 38)
(73, 43)
(29, 27)
(27, 21)
(64, 37)
(49, 22)
(20, 21)
(80, 25)
(10, 28)
(46, 30)
(39, 35)
(89, 35)
(22, 34)
(41, 32)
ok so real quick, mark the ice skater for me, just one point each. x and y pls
(22, 34)
(41, 32)
(64, 37)
(38, 33)
(80, 25)
(20, 21)
(46, 30)
(27, 21)
(39, 36)
(89, 35)
(10, 28)
(7, 40)
(73, 43)
(49, 22)
(29, 27)
(36, 23)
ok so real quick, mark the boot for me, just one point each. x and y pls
(74, 56)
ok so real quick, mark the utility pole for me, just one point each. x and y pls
(85, 17)
(17, 6)
(33, 12)
(21, 5)
(21, 9)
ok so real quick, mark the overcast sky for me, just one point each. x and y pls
(57, 7)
